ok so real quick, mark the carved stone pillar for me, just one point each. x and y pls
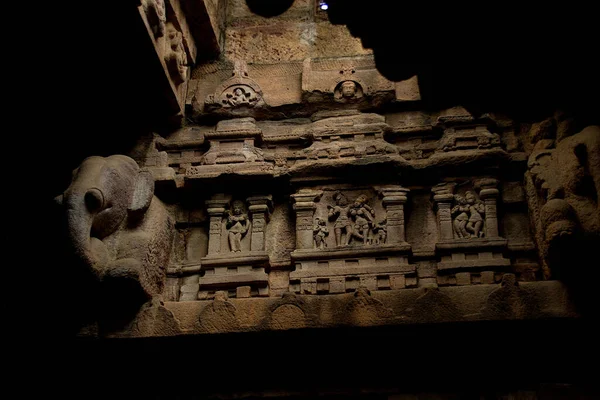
(216, 209)
(394, 199)
(259, 210)
(489, 194)
(443, 195)
(305, 210)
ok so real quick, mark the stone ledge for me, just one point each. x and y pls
(237, 279)
(349, 271)
(473, 264)
(257, 258)
(471, 244)
(351, 252)
(506, 301)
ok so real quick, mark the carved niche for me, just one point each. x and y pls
(175, 54)
(237, 257)
(351, 81)
(465, 138)
(469, 241)
(234, 149)
(347, 237)
(238, 91)
(348, 88)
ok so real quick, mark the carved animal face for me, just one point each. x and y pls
(103, 192)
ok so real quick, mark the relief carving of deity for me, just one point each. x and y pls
(342, 224)
(240, 96)
(237, 225)
(363, 217)
(348, 90)
(468, 216)
(320, 232)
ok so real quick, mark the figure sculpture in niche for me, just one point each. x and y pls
(238, 225)
(476, 208)
(342, 224)
(348, 89)
(240, 97)
(461, 216)
(320, 232)
(380, 232)
(363, 216)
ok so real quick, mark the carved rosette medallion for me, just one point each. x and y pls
(238, 91)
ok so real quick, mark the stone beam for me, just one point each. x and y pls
(205, 23)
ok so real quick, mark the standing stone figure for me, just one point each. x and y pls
(380, 232)
(476, 208)
(461, 216)
(320, 232)
(238, 225)
(363, 216)
(342, 223)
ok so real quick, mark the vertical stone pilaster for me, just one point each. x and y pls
(489, 194)
(394, 199)
(259, 210)
(305, 210)
(216, 210)
(443, 195)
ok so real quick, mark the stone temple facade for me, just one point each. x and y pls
(280, 186)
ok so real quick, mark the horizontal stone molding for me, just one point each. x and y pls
(471, 244)
(474, 264)
(234, 280)
(353, 271)
(259, 258)
(349, 252)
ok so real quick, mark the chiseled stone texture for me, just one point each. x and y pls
(507, 300)
(293, 35)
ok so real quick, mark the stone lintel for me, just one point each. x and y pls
(257, 259)
(254, 169)
(503, 263)
(350, 252)
(351, 271)
(324, 133)
(204, 20)
(472, 244)
(236, 279)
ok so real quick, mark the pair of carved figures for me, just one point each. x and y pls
(468, 216)
(237, 225)
(355, 221)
